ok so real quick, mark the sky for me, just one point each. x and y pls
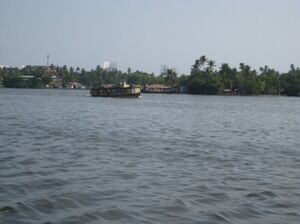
(147, 34)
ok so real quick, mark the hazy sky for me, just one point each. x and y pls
(145, 34)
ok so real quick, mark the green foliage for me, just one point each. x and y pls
(14, 82)
(169, 76)
(12, 78)
(1, 76)
(204, 80)
(205, 84)
(269, 81)
(290, 82)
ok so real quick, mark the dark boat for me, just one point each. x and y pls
(158, 88)
(116, 90)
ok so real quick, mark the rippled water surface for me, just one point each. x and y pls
(66, 157)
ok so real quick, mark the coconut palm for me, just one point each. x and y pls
(195, 67)
(211, 65)
(202, 60)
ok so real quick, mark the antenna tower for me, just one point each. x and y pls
(48, 58)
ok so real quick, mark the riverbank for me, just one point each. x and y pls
(205, 78)
(147, 93)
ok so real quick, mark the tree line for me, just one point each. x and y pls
(204, 78)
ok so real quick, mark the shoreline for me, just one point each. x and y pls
(146, 93)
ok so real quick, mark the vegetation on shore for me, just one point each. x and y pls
(204, 78)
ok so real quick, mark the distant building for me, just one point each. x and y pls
(227, 91)
(44, 69)
(158, 88)
(110, 66)
(41, 67)
(27, 77)
(75, 85)
(230, 92)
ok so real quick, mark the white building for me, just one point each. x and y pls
(110, 66)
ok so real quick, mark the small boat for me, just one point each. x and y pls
(117, 90)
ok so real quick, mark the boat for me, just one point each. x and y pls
(117, 90)
(158, 88)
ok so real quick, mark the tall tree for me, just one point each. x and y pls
(169, 75)
(202, 60)
(211, 65)
(195, 67)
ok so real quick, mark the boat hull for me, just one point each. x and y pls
(135, 95)
(129, 92)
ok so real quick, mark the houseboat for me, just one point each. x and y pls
(117, 90)
(158, 88)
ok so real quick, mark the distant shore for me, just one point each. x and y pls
(204, 79)
(146, 93)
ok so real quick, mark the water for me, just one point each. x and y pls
(66, 157)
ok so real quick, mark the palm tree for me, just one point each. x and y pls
(196, 67)
(202, 61)
(225, 72)
(242, 66)
(169, 75)
(211, 65)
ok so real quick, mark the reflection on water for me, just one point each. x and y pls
(66, 157)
